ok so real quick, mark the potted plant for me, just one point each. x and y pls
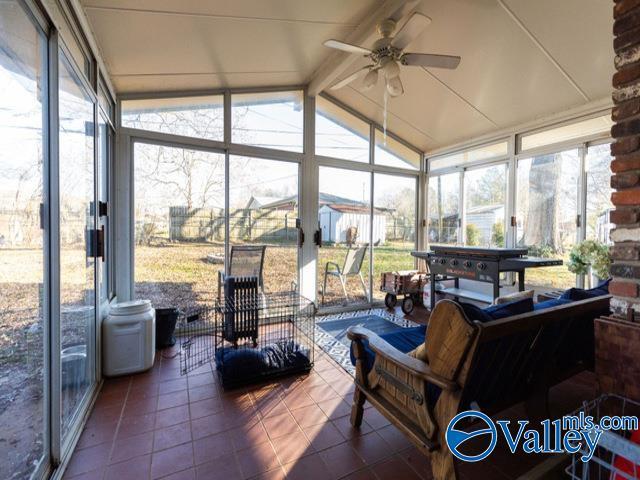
(590, 258)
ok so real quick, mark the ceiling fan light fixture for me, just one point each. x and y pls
(391, 69)
(370, 79)
(394, 86)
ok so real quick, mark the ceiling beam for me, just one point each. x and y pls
(364, 34)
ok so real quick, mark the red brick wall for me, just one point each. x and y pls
(626, 151)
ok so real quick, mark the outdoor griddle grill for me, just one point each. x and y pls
(479, 264)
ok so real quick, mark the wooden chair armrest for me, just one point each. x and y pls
(412, 365)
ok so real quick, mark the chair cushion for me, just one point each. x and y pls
(554, 302)
(404, 339)
(496, 312)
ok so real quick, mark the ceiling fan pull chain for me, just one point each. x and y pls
(384, 117)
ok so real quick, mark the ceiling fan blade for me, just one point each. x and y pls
(411, 29)
(346, 47)
(430, 60)
(350, 78)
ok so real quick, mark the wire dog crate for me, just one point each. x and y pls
(617, 456)
(251, 335)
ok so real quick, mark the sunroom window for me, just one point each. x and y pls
(198, 117)
(268, 120)
(586, 128)
(470, 156)
(393, 153)
(340, 134)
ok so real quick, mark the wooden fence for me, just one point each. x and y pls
(208, 225)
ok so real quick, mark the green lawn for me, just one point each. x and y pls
(179, 274)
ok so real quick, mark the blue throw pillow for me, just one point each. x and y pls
(510, 309)
(581, 294)
(474, 312)
(554, 302)
(495, 312)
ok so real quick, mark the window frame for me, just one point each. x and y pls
(322, 159)
(565, 144)
(357, 117)
(513, 157)
(307, 158)
(582, 147)
(120, 114)
(473, 164)
(59, 22)
(228, 113)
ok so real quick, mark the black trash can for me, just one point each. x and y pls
(166, 319)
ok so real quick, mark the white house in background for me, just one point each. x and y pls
(336, 216)
(264, 202)
(290, 202)
(336, 220)
(484, 217)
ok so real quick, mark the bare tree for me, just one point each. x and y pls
(189, 177)
(542, 224)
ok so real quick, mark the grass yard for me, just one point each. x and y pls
(178, 274)
(553, 278)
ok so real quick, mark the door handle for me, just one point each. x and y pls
(95, 243)
(300, 232)
(317, 236)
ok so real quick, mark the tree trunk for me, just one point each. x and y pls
(541, 227)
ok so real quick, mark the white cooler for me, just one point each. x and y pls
(128, 338)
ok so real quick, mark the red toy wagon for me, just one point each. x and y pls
(407, 283)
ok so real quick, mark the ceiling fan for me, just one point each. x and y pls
(387, 54)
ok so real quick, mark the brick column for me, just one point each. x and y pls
(626, 163)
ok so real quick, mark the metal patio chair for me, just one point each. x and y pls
(244, 261)
(352, 266)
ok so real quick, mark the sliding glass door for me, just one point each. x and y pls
(394, 226)
(344, 217)
(77, 242)
(23, 309)
(48, 241)
(263, 209)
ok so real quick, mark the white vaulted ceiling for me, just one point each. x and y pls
(152, 45)
(521, 59)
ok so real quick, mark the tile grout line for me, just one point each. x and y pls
(115, 435)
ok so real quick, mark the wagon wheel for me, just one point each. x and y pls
(407, 305)
(390, 300)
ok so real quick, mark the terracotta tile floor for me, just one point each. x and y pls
(161, 425)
